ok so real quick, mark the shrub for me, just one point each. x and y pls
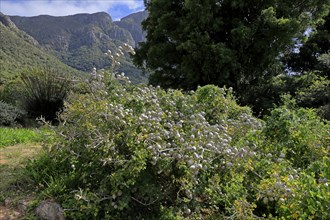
(10, 91)
(44, 92)
(294, 164)
(140, 152)
(298, 133)
(9, 114)
(315, 94)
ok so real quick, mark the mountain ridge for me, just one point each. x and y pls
(132, 23)
(81, 40)
(45, 27)
(19, 51)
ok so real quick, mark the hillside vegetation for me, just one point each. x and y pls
(132, 23)
(81, 40)
(184, 147)
(17, 53)
(139, 152)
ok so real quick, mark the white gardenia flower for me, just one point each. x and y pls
(190, 162)
(178, 156)
(119, 193)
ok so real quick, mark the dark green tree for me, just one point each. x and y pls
(225, 42)
(312, 65)
(313, 54)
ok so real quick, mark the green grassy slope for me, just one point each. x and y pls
(81, 40)
(16, 53)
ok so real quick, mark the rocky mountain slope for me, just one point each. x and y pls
(81, 40)
(18, 51)
(132, 23)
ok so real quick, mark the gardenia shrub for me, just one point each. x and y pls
(9, 114)
(140, 152)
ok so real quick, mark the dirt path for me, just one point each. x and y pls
(9, 213)
(13, 155)
(15, 199)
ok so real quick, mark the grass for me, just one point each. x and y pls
(16, 146)
(17, 192)
(14, 136)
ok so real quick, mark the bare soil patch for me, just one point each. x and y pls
(15, 195)
(14, 155)
(9, 213)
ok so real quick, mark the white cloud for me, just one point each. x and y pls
(69, 7)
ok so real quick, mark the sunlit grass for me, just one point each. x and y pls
(17, 146)
(14, 136)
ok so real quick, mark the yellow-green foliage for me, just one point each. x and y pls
(13, 136)
(16, 54)
(139, 152)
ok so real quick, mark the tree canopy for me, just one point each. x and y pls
(314, 54)
(227, 42)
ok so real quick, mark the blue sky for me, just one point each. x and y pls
(116, 8)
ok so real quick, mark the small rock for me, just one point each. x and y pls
(23, 205)
(8, 214)
(48, 210)
(8, 202)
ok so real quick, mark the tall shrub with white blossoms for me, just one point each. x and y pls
(155, 147)
(139, 152)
